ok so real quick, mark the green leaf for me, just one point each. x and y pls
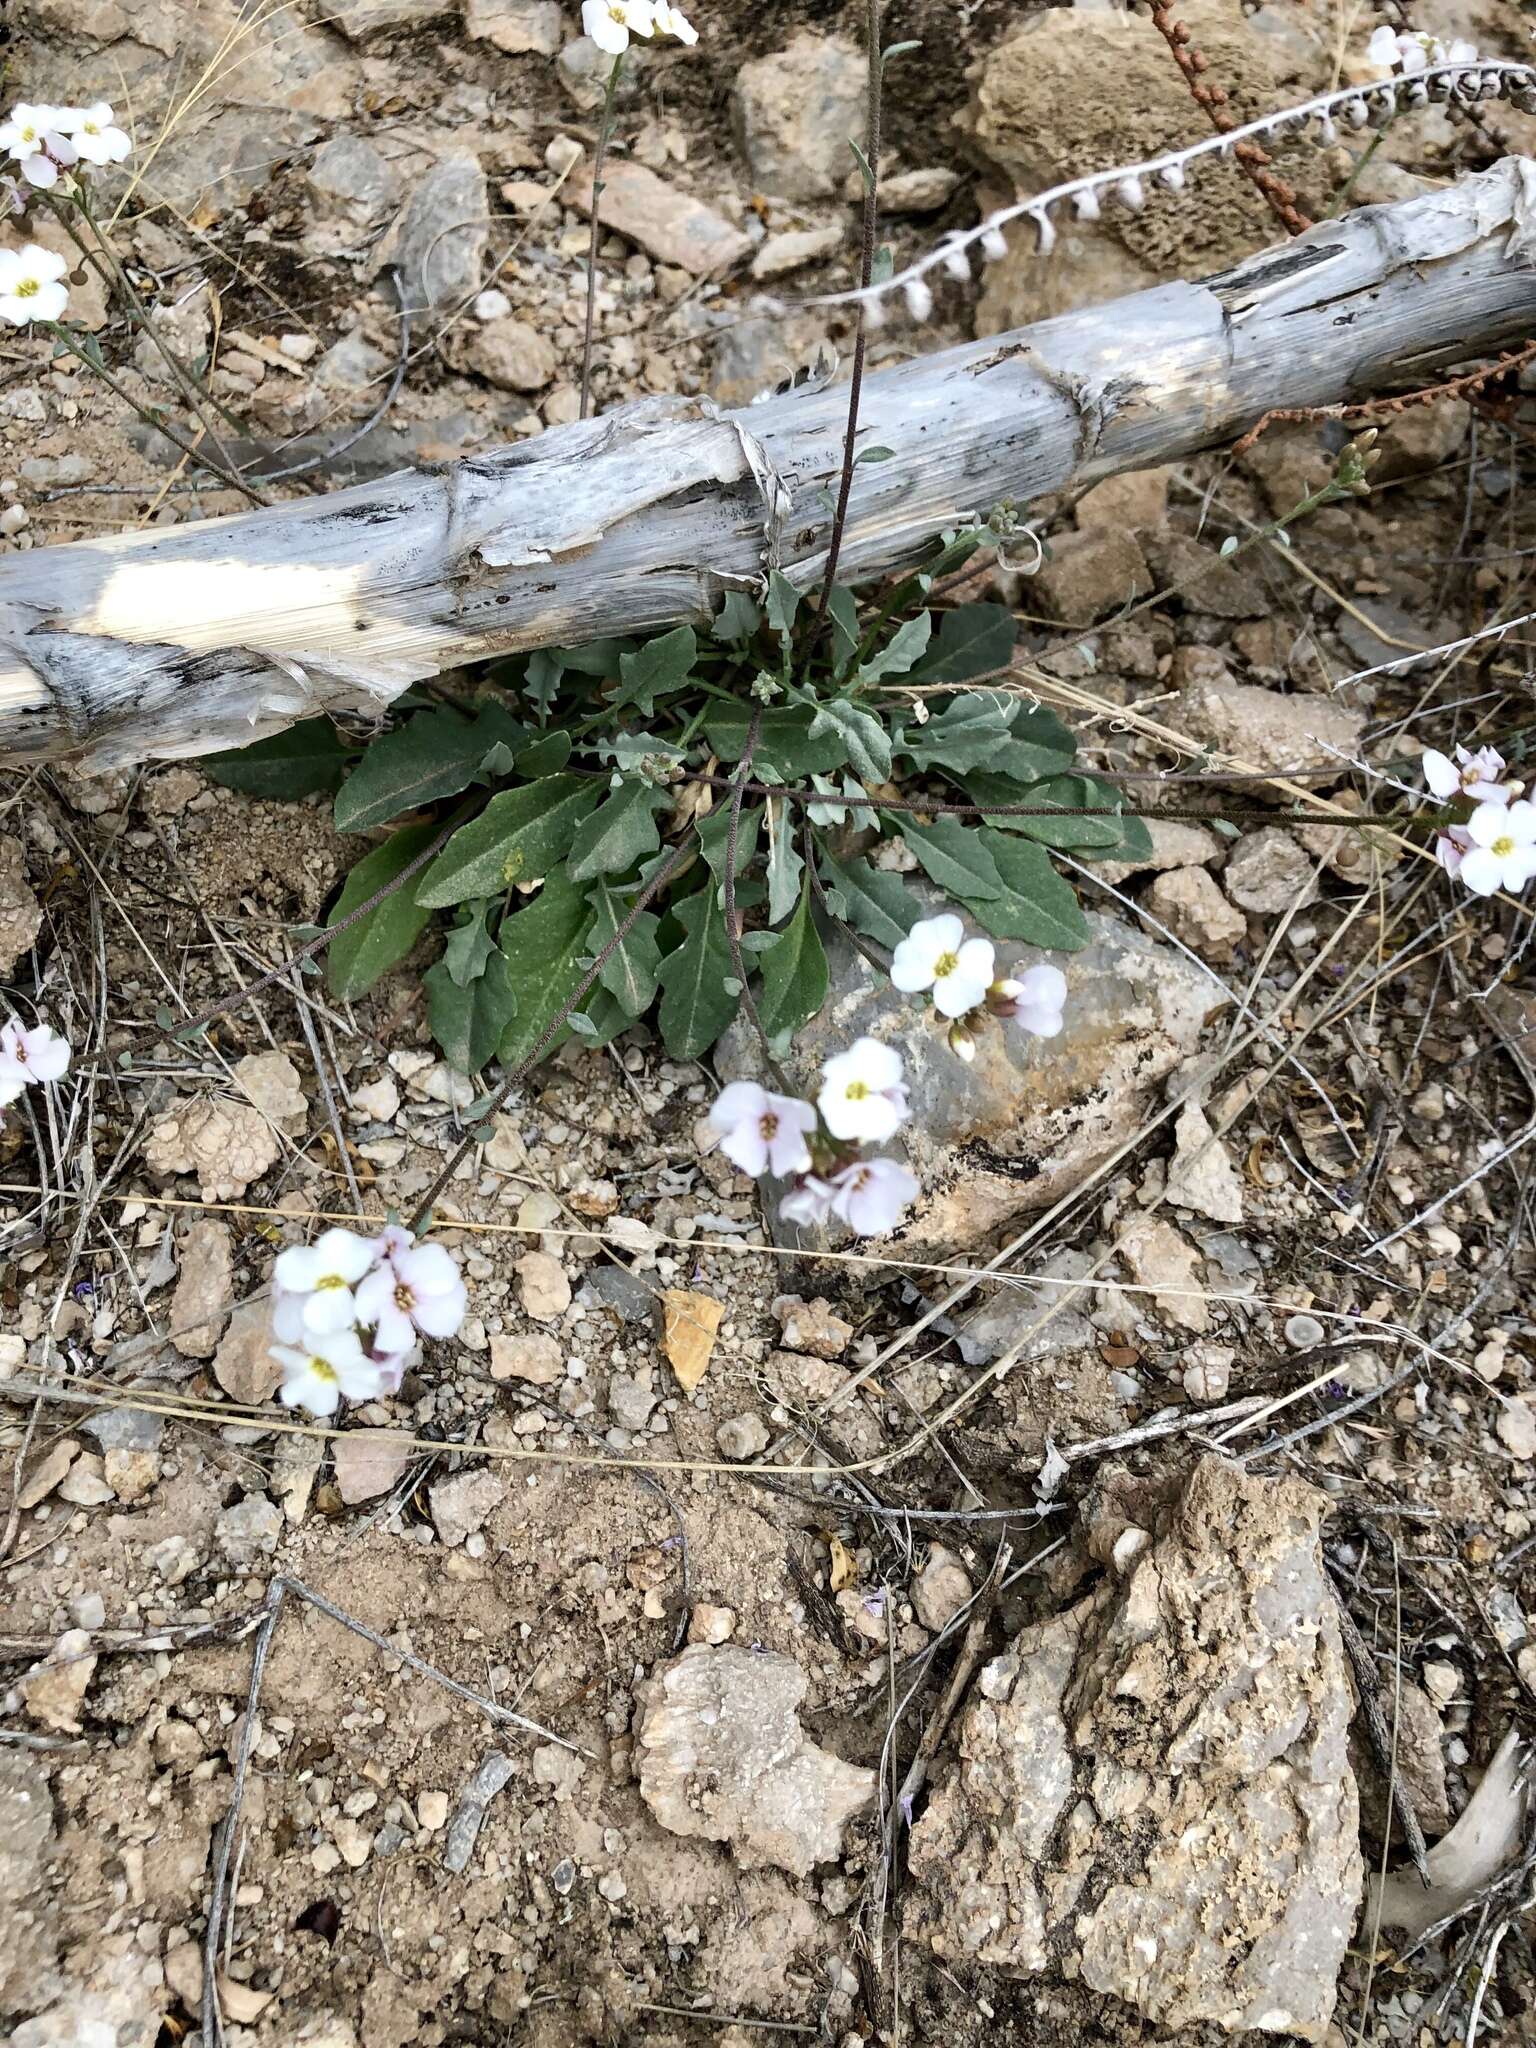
(543, 946)
(866, 743)
(843, 611)
(714, 832)
(434, 754)
(783, 603)
(381, 940)
(737, 619)
(629, 974)
(1107, 837)
(655, 670)
(622, 831)
(1039, 745)
(546, 755)
(1037, 904)
(873, 900)
(953, 854)
(470, 944)
(969, 731)
(785, 866)
(904, 647)
(469, 1022)
(303, 760)
(873, 455)
(794, 971)
(784, 744)
(696, 1006)
(541, 678)
(897, 50)
(864, 170)
(518, 837)
(971, 640)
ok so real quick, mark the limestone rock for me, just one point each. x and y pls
(47, 1472)
(507, 353)
(368, 1462)
(351, 183)
(720, 1753)
(361, 19)
(271, 1082)
(26, 1844)
(941, 1588)
(1159, 1259)
(530, 1355)
(743, 1437)
(542, 1286)
(1260, 727)
(1154, 1796)
(249, 1530)
(1175, 844)
(1268, 873)
(1138, 498)
(54, 1689)
(243, 1365)
(795, 112)
(439, 241)
(1188, 902)
(1031, 1116)
(201, 1304)
(461, 1504)
(1201, 1174)
(781, 254)
(669, 225)
(517, 27)
(226, 1144)
(1420, 1765)
(21, 915)
(920, 191)
(1204, 580)
(811, 1326)
(1091, 574)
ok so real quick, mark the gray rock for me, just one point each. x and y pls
(1269, 873)
(584, 70)
(243, 1365)
(517, 27)
(921, 191)
(941, 1588)
(361, 19)
(201, 1304)
(1204, 581)
(743, 1437)
(223, 158)
(795, 112)
(461, 1504)
(629, 1403)
(755, 355)
(439, 242)
(1031, 1116)
(672, 226)
(781, 254)
(173, 1558)
(616, 1287)
(350, 178)
(720, 1753)
(29, 1913)
(125, 1429)
(249, 1530)
(1155, 1798)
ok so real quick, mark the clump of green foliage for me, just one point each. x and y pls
(573, 773)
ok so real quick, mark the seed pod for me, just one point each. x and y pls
(1086, 203)
(1130, 194)
(993, 247)
(1044, 230)
(918, 297)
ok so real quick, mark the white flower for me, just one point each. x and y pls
(1035, 1000)
(325, 1274)
(415, 1289)
(936, 954)
(611, 23)
(809, 1203)
(762, 1133)
(1402, 50)
(1474, 775)
(35, 138)
(671, 21)
(862, 1095)
(324, 1369)
(93, 134)
(1503, 854)
(28, 1056)
(870, 1195)
(29, 285)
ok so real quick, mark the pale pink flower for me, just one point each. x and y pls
(1478, 775)
(808, 1204)
(29, 1056)
(760, 1132)
(1503, 854)
(416, 1289)
(870, 1195)
(1036, 1000)
(862, 1094)
(937, 955)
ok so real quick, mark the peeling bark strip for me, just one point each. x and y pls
(208, 636)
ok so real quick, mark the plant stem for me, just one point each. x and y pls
(866, 275)
(732, 922)
(103, 259)
(177, 440)
(604, 133)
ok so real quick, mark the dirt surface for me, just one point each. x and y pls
(1353, 1257)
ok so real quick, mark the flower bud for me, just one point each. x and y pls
(993, 246)
(1003, 996)
(962, 1042)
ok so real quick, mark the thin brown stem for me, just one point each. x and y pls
(1253, 159)
(604, 133)
(866, 275)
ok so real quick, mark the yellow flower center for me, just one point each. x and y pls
(329, 1280)
(1503, 846)
(856, 1091)
(322, 1370)
(27, 288)
(945, 964)
(767, 1124)
(90, 128)
(405, 1301)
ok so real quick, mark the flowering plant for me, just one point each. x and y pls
(348, 1312)
(29, 1058)
(1493, 844)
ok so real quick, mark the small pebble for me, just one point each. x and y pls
(1303, 1333)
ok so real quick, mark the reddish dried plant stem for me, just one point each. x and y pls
(1254, 159)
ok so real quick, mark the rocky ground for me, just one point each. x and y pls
(1022, 1688)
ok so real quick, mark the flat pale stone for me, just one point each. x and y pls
(657, 218)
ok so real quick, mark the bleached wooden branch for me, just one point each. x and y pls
(179, 642)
